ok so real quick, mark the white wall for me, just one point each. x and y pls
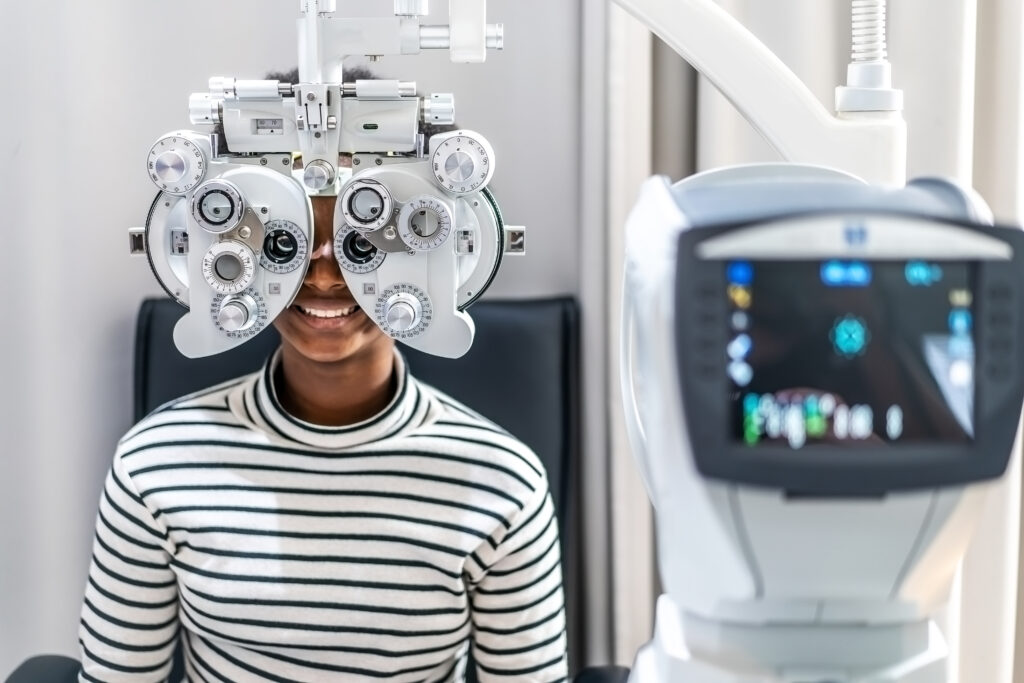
(87, 88)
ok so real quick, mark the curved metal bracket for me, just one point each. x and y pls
(870, 145)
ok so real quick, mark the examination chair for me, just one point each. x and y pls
(522, 372)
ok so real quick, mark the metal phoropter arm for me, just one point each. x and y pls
(324, 41)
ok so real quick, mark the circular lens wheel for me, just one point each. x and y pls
(425, 223)
(229, 267)
(285, 247)
(217, 206)
(366, 205)
(355, 253)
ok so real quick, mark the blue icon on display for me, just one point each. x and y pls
(849, 336)
(960, 322)
(739, 348)
(921, 274)
(833, 273)
(740, 273)
(846, 274)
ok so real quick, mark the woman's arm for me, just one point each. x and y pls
(518, 607)
(129, 624)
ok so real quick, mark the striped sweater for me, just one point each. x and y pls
(284, 551)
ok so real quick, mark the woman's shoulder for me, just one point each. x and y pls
(464, 430)
(175, 419)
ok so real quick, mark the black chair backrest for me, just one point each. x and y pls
(522, 373)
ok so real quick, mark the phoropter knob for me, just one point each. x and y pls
(439, 109)
(402, 312)
(411, 8)
(318, 175)
(176, 163)
(203, 108)
(237, 313)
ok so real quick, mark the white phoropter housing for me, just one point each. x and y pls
(418, 235)
(826, 373)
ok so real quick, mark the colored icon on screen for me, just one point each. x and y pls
(960, 298)
(740, 273)
(740, 296)
(961, 373)
(921, 274)
(740, 321)
(849, 336)
(815, 424)
(741, 373)
(846, 274)
(739, 348)
(960, 322)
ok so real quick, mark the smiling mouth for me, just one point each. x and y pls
(326, 313)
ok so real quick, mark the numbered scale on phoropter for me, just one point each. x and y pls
(239, 316)
(463, 162)
(425, 223)
(403, 311)
(285, 247)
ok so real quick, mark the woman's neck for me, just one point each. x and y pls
(337, 393)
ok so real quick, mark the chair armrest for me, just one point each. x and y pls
(46, 669)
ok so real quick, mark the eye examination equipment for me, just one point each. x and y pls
(825, 373)
(418, 235)
(820, 374)
(820, 378)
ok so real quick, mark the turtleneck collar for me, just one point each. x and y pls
(255, 402)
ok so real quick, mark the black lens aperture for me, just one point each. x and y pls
(280, 246)
(358, 249)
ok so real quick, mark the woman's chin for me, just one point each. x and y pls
(328, 340)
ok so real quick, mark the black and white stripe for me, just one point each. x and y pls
(285, 551)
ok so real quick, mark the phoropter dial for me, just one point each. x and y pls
(229, 267)
(241, 315)
(425, 223)
(284, 248)
(176, 164)
(367, 205)
(217, 206)
(354, 252)
(463, 162)
(237, 313)
(403, 311)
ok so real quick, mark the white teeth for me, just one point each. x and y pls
(328, 313)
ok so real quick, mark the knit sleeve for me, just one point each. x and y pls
(517, 603)
(129, 623)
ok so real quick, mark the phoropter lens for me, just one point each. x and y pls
(227, 267)
(216, 207)
(366, 205)
(358, 249)
(280, 246)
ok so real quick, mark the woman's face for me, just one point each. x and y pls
(324, 322)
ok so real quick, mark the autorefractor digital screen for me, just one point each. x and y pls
(851, 353)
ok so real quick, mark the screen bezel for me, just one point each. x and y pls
(838, 470)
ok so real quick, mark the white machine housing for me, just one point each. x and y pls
(438, 242)
(767, 581)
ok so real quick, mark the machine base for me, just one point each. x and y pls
(914, 653)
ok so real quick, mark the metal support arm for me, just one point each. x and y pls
(870, 145)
